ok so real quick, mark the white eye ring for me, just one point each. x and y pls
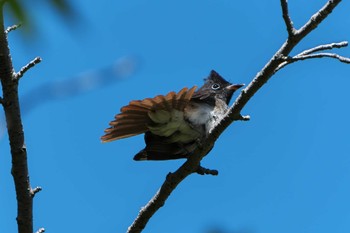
(215, 86)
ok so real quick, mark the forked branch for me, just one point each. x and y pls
(234, 113)
(310, 53)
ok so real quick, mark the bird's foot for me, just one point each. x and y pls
(206, 171)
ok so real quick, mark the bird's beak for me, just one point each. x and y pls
(234, 87)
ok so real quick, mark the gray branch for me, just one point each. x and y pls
(191, 165)
(321, 55)
(309, 53)
(12, 28)
(287, 20)
(25, 68)
(324, 47)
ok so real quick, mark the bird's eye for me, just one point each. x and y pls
(215, 86)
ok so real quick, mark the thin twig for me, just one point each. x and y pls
(321, 55)
(173, 179)
(283, 64)
(41, 230)
(307, 54)
(287, 20)
(242, 118)
(324, 47)
(25, 68)
(317, 18)
(35, 190)
(12, 28)
(206, 171)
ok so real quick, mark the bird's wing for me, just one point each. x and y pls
(158, 148)
(137, 117)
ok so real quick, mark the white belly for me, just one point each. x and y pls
(206, 115)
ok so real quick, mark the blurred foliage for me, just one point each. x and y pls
(18, 9)
(62, 6)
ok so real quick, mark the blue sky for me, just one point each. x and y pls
(287, 170)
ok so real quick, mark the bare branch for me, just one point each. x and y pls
(1, 101)
(290, 60)
(12, 111)
(170, 183)
(156, 202)
(35, 191)
(317, 18)
(242, 118)
(307, 54)
(321, 55)
(12, 28)
(41, 230)
(206, 171)
(25, 68)
(283, 64)
(324, 47)
(192, 163)
(287, 20)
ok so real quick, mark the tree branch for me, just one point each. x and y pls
(317, 18)
(16, 136)
(206, 171)
(287, 20)
(234, 113)
(35, 191)
(321, 55)
(307, 54)
(12, 28)
(324, 47)
(41, 230)
(25, 68)
(242, 118)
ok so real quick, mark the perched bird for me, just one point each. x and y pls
(173, 124)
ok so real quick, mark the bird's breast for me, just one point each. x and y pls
(198, 113)
(205, 115)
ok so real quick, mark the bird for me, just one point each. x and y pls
(174, 124)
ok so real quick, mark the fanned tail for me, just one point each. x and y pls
(132, 120)
(135, 118)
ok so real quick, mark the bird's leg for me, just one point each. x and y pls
(202, 170)
(199, 143)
